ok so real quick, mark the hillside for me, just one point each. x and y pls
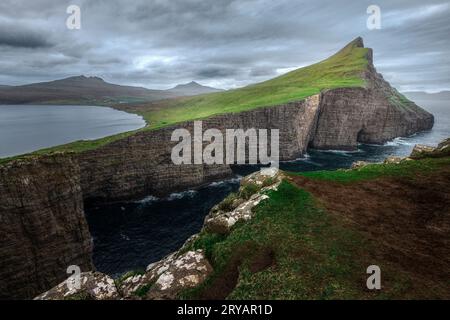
(344, 69)
(91, 90)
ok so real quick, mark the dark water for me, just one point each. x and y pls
(27, 128)
(129, 236)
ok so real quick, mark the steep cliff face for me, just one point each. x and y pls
(373, 114)
(141, 164)
(41, 209)
(43, 228)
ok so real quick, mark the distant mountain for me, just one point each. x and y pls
(91, 90)
(420, 95)
(192, 88)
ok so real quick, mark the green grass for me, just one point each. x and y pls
(373, 171)
(315, 256)
(343, 69)
(73, 147)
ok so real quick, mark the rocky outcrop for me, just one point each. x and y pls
(422, 151)
(373, 114)
(226, 214)
(90, 286)
(167, 278)
(43, 228)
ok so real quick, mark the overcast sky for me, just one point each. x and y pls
(221, 43)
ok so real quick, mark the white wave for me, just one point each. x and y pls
(346, 153)
(399, 142)
(236, 179)
(181, 195)
(148, 199)
(305, 157)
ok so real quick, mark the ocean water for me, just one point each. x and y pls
(129, 236)
(27, 128)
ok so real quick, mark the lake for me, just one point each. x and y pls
(27, 128)
(130, 235)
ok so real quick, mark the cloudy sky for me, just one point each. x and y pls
(222, 43)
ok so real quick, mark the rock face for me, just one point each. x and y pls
(184, 269)
(373, 114)
(176, 273)
(222, 218)
(141, 164)
(42, 199)
(43, 228)
(92, 286)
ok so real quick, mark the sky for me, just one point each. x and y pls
(220, 43)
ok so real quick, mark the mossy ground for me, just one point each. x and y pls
(372, 171)
(315, 255)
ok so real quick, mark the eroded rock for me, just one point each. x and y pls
(421, 150)
(168, 277)
(393, 160)
(221, 221)
(359, 164)
(93, 286)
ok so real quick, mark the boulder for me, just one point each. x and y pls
(421, 150)
(167, 278)
(393, 160)
(92, 286)
(221, 222)
(359, 164)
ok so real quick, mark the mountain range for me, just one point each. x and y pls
(92, 90)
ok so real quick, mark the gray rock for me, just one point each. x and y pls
(93, 286)
(167, 278)
(359, 164)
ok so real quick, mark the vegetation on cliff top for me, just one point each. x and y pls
(344, 69)
(295, 248)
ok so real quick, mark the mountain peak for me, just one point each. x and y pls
(358, 42)
(84, 78)
(192, 88)
(354, 44)
(189, 84)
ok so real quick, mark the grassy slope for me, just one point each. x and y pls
(317, 257)
(372, 171)
(340, 70)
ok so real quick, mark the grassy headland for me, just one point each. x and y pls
(344, 69)
(316, 235)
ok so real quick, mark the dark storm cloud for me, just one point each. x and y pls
(22, 38)
(226, 43)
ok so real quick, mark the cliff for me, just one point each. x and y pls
(139, 164)
(373, 114)
(42, 225)
(304, 236)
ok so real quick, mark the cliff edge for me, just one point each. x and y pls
(334, 104)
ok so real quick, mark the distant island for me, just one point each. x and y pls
(92, 91)
(424, 96)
